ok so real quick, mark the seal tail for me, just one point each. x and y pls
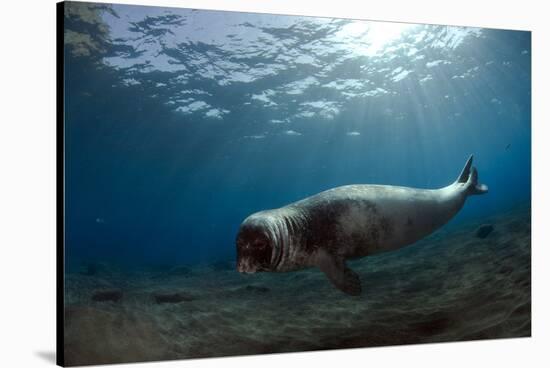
(468, 177)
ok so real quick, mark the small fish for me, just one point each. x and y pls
(507, 146)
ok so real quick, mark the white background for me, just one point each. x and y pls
(27, 183)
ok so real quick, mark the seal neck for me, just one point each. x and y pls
(286, 224)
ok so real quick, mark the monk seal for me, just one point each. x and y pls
(348, 222)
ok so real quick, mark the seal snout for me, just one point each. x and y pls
(244, 266)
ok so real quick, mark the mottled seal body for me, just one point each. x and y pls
(348, 222)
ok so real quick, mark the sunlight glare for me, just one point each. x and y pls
(374, 36)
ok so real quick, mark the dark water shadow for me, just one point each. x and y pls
(48, 356)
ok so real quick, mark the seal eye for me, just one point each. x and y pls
(260, 244)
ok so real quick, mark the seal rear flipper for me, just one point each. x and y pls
(339, 274)
(468, 177)
(465, 173)
(473, 186)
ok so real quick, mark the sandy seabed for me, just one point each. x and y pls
(451, 286)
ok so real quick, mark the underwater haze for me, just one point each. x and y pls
(180, 123)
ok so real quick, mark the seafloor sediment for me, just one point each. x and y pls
(451, 286)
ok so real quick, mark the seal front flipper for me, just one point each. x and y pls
(339, 274)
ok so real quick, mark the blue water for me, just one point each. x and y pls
(180, 123)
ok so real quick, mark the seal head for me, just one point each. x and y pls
(257, 246)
